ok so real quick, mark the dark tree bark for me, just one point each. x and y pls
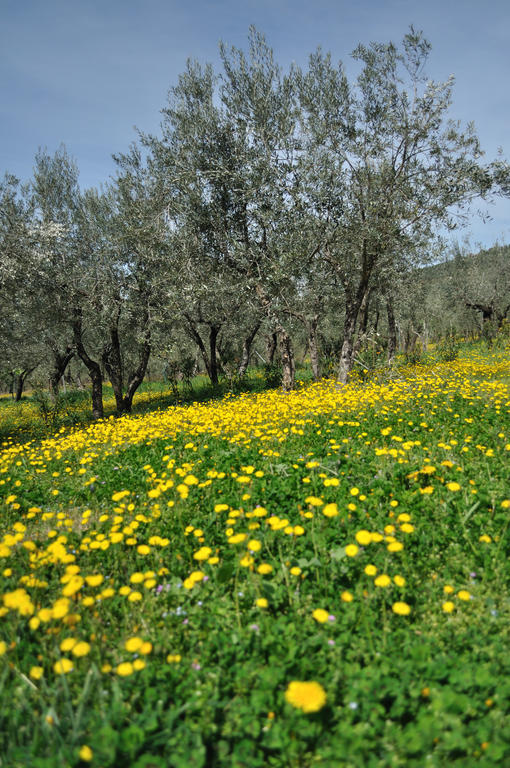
(136, 377)
(19, 380)
(247, 343)
(287, 357)
(210, 359)
(354, 300)
(392, 330)
(352, 308)
(489, 312)
(313, 346)
(213, 359)
(92, 366)
(362, 331)
(271, 344)
(60, 362)
(347, 351)
(193, 332)
(112, 360)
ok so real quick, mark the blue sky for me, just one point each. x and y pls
(85, 72)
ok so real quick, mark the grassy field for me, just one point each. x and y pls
(270, 579)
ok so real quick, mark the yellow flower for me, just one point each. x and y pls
(306, 696)
(448, 607)
(261, 602)
(139, 664)
(63, 666)
(146, 648)
(407, 528)
(314, 501)
(382, 581)
(402, 609)
(125, 669)
(135, 597)
(346, 597)
(363, 537)
(354, 491)
(265, 568)
(351, 550)
(73, 586)
(95, 580)
(203, 553)
(81, 649)
(3, 647)
(453, 486)
(173, 658)
(68, 644)
(464, 595)
(197, 576)
(370, 570)
(120, 495)
(36, 673)
(320, 615)
(86, 754)
(395, 546)
(330, 510)
(295, 570)
(133, 644)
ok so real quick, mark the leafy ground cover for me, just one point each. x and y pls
(313, 578)
(39, 413)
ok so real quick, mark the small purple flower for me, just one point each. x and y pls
(185, 621)
(206, 578)
(331, 617)
(254, 627)
(331, 642)
(159, 589)
(196, 665)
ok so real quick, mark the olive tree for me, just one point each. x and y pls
(383, 166)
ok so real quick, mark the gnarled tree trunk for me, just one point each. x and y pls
(313, 346)
(60, 363)
(93, 367)
(392, 330)
(112, 360)
(245, 357)
(271, 344)
(288, 362)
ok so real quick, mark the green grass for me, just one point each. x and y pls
(39, 414)
(426, 454)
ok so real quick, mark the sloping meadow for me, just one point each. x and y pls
(273, 579)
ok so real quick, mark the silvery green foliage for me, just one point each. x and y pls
(295, 203)
(384, 167)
